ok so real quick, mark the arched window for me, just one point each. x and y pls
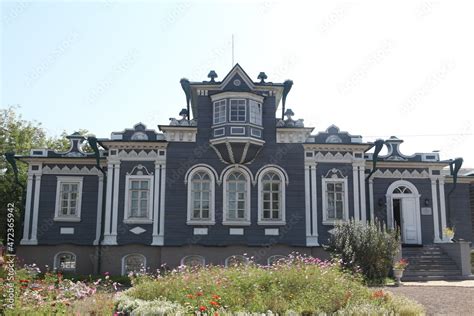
(193, 261)
(237, 199)
(402, 190)
(274, 259)
(65, 262)
(133, 263)
(201, 185)
(271, 196)
(236, 260)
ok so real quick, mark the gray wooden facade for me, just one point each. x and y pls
(305, 162)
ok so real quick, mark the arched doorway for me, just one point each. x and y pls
(403, 210)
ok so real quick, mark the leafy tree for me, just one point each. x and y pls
(20, 136)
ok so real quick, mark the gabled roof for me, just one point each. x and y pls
(236, 71)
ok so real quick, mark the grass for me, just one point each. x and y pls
(297, 284)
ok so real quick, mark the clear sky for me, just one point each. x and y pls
(374, 68)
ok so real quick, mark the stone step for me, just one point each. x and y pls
(435, 278)
(433, 267)
(432, 273)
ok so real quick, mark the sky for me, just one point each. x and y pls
(373, 68)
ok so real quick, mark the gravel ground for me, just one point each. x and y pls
(440, 300)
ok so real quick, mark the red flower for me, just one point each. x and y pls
(199, 294)
(378, 294)
(216, 314)
(214, 303)
(216, 297)
(189, 296)
(24, 281)
(202, 308)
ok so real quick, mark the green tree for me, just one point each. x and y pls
(20, 136)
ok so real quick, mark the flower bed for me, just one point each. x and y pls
(49, 293)
(299, 285)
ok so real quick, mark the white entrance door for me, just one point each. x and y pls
(410, 224)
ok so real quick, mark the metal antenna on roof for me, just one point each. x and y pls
(232, 51)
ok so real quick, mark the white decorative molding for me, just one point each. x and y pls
(293, 135)
(179, 133)
(236, 231)
(330, 157)
(141, 155)
(272, 232)
(200, 231)
(139, 170)
(74, 170)
(66, 230)
(137, 230)
(398, 174)
(238, 95)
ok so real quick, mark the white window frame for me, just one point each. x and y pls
(257, 119)
(203, 260)
(58, 217)
(245, 259)
(219, 103)
(56, 263)
(345, 214)
(132, 254)
(133, 220)
(261, 220)
(246, 220)
(245, 110)
(211, 220)
(272, 259)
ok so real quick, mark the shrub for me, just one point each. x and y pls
(369, 247)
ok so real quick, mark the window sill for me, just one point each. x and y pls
(271, 223)
(67, 219)
(236, 223)
(333, 223)
(138, 221)
(202, 223)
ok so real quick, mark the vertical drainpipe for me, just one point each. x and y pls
(93, 143)
(10, 157)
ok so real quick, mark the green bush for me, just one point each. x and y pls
(298, 285)
(368, 247)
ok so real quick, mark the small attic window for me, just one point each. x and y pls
(139, 136)
(333, 139)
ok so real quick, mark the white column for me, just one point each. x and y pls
(100, 197)
(34, 224)
(161, 233)
(307, 198)
(108, 203)
(26, 226)
(115, 201)
(314, 205)
(363, 207)
(371, 200)
(390, 222)
(434, 199)
(156, 207)
(442, 202)
(355, 181)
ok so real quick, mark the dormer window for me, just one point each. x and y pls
(255, 110)
(237, 110)
(220, 112)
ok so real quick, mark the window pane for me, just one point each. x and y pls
(196, 214)
(275, 196)
(241, 205)
(241, 214)
(205, 214)
(144, 194)
(275, 186)
(266, 186)
(241, 186)
(339, 187)
(144, 185)
(266, 205)
(135, 185)
(276, 214)
(266, 214)
(72, 211)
